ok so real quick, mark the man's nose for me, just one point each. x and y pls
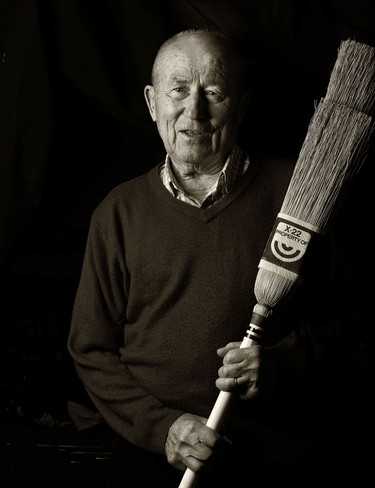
(196, 106)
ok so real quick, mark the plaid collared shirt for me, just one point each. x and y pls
(235, 166)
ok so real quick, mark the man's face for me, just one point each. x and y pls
(195, 102)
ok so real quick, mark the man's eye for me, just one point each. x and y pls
(212, 95)
(179, 89)
(179, 92)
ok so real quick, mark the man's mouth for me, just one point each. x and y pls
(192, 133)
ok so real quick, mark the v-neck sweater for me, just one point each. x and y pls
(164, 284)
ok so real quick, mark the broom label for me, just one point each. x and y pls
(286, 247)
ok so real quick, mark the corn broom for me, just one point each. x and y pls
(333, 151)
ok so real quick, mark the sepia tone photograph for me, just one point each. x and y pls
(185, 259)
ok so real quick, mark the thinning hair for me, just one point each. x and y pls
(227, 45)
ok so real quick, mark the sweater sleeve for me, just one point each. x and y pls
(95, 338)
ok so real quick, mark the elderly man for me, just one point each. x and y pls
(167, 288)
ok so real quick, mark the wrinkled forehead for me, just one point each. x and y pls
(192, 57)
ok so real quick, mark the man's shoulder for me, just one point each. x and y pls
(131, 188)
(126, 194)
(277, 162)
(134, 183)
(274, 167)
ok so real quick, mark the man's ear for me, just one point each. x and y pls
(149, 94)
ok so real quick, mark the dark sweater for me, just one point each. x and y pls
(163, 285)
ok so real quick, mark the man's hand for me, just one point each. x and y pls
(248, 371)
(191, 444)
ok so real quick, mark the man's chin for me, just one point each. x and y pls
(189, 156)
(186, 160)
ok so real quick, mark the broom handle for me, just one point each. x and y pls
(215, 421)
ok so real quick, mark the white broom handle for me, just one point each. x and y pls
(215, 421)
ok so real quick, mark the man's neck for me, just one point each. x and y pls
(196, 180)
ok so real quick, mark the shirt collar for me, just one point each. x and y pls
(235, 165)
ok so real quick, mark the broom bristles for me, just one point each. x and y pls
(353, 77)
(332, 153)
(270, 288)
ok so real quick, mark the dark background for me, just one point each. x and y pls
(73, 123)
